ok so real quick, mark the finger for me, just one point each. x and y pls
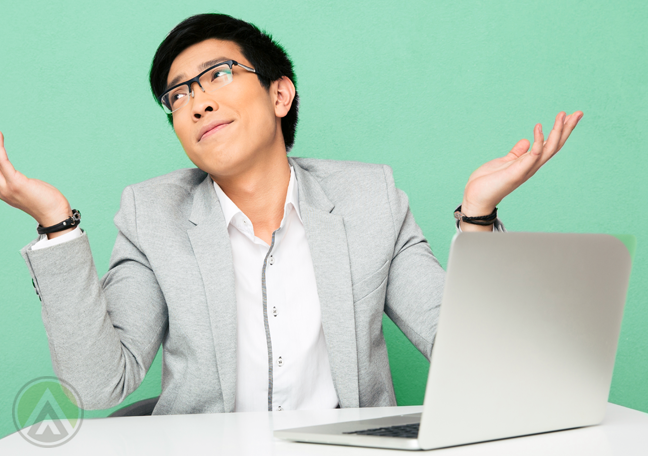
(565, 120)
(3, 156)
(573, 116)
(6, 168)
(3, 152)
(527, 164)
(518, 150)
(551, 144)
(570, 123)
(567, 117)
(538, 141)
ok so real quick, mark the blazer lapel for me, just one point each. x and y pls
(211, 245)
(327, 241)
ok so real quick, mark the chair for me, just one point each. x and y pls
(140, 408)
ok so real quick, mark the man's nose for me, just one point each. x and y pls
(202, 102)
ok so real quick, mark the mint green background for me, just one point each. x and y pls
(433, 89)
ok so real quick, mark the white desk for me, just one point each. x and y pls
(624, 432)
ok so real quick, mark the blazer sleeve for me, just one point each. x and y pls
(416, 278)
(103, 334)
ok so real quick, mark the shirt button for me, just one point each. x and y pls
(279, 409)
(271, 260)
(274, 311)
(280, 362)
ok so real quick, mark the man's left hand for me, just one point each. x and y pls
(491, 182)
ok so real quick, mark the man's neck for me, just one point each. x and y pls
(260, 193)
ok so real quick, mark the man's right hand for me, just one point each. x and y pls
(39, 199)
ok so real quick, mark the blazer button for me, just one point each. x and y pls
(280, 362)
(274, 311)
(271, 260)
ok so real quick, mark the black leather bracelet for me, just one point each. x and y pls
(64, 225)
(483, 220)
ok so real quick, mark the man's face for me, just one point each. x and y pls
(230, 130)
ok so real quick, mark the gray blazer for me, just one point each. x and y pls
(171, 282)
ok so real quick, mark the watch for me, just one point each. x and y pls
(64, 225)
(483, 220)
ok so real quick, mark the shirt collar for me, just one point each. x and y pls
(292, 201)
(227, 205)
(292, 196)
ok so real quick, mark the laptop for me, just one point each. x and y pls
(526, 343)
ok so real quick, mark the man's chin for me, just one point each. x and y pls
(220, 163)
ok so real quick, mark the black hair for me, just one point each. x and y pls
(264, 54)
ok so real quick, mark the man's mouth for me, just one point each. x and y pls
(212, 129)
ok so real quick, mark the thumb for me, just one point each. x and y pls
(519, 149)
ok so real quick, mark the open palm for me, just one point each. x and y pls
(37, 198)
(491, 182)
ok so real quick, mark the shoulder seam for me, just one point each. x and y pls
(132, 190)
(391, 206)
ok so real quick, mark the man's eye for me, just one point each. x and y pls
(178, 96)
(218, 74)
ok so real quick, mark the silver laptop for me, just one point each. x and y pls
(526, 344)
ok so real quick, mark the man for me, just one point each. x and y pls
(264, 277)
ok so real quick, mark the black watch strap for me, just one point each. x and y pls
(64, 225)
(483, 220)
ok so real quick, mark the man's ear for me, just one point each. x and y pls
(284, 94)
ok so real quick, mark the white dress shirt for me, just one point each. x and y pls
(297, 374)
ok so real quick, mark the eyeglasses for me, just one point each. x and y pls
(210, 80)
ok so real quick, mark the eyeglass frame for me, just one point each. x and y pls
(189, 82)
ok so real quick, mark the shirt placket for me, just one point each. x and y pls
(274, 303)
(276, 300)
(266, 323)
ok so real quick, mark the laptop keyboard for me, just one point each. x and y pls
(406, 431)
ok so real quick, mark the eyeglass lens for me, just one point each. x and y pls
(211, 81)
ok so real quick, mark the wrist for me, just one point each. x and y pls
(64, 225)
(54, 217)
(475, 210)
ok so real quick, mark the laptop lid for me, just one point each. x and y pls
(527, 335)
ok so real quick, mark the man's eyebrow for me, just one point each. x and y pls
(203, 66)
